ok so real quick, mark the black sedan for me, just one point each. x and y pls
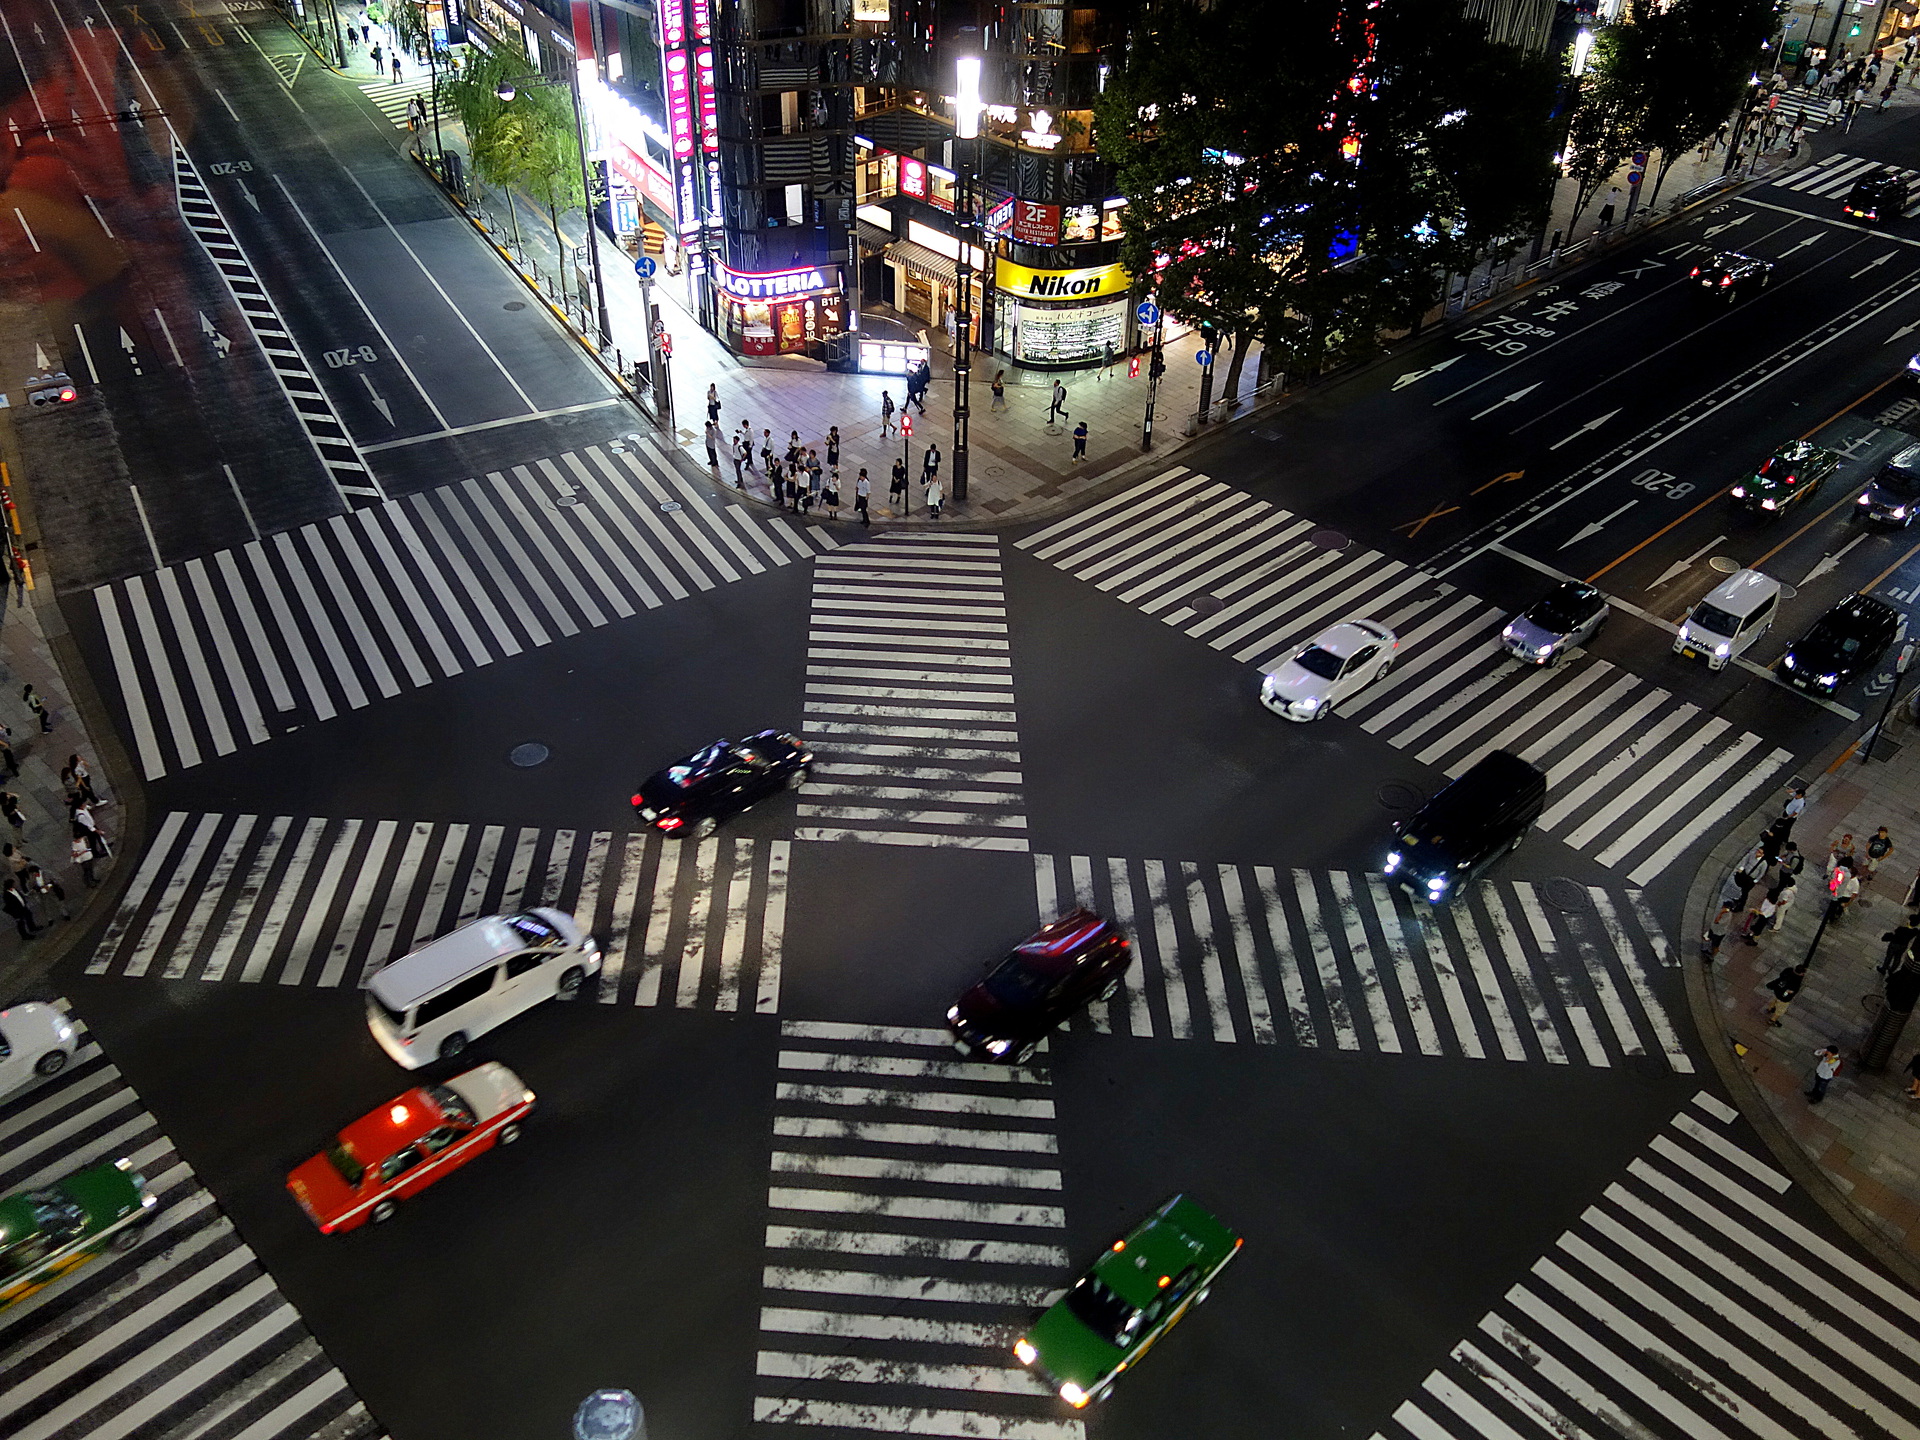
(1878, 197)
(1843, 644)
(1077, 958)
(1730, 276)
(687, 800)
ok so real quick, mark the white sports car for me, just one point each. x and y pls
(35, 1039)
(1328, 668)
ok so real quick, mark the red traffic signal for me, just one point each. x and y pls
(906, 424)
(1133, 368)
(54, 388)
(1841, 874)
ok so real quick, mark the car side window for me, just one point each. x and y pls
(398, 1163)
(434, 1141)
(24, 1256)
(521, 964)
(1361, 658)
(454, 996)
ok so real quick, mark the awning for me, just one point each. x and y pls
(930, 263)
(872, 236)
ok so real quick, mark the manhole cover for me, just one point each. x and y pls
(569, 499)
(617, 447)
(1400, 797)
(1330, 539)
(669, 506)
(996, 469)
(515, 305)
(528, 755)
(1567, 895)
(1724, 564)
(1787, 592)
(1206, 604)
(1268, 434)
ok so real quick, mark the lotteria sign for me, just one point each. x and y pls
(1062, 284)
(779, 284)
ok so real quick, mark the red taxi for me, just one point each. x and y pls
(407, 1144)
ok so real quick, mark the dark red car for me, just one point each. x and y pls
(1077, 958)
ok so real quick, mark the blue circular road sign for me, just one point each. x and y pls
(1148, 313)
(1205, 357)
(645, 266)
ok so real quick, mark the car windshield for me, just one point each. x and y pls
(451, 1105)
(341, 1157)
(56, 1215)
(1776, 467)
(759, 759)
(1102, 1311)
(1898, 482)
(1561, 612)
(532, 928)
(395, 1018)
(1713, 619)
(1016, 981)
(1323, 663)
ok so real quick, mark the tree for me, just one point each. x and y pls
(529, 141)
(1694, 63)
(1312, 204)
(1609, 114)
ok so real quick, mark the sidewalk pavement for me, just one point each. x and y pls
(1864, 1138)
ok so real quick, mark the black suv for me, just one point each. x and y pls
(1077, 958)
(689, 799)
(1466, 827)
(1878, 197)
(1843, 644)
(1730, 276)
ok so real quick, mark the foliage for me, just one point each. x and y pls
(528, 141)
(1241, 195)
(1695, 61)
(1610, 113)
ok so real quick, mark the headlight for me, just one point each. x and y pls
(999, 1047)
(1913, 365)
(1437, 884)
(1393, 861)
(1830, 681)
(1739, 492)
(1768, 505)
(1868, 499)
(1788, 662)
(63, 1032)
(1508, 633)
(1074, 1395)
(1024, 1352)
(953, 1014)
(1899, 512)
(1723, 649)
(1546, 649)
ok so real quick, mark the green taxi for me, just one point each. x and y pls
(45, 1233)
(1786, 478)
(1134, 1294)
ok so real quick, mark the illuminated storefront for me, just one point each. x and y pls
(786, 312)
(1053, 319)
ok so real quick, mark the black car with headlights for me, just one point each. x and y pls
(1566, 616)
(1877, 197)
(689, 799)
(1892, 497)
(1843, 644)
(1044, 979)
(1786, 478)
(1458, 834)
(1728, 275)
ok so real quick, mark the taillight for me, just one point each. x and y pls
(671, 823)
(1696, 271)
(638, 801)
(1726, 279)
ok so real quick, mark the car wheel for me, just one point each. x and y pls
(51, 1063)
(509, 1134)
(700, 828)
(1385, 666)
(797, 778)
(570, 980)
(382, 1212)
(127, 1238)
(1112, 989)
(453, 1045)
(1024, 1053)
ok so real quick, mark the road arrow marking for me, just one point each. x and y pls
(1500, 480)
(1590, 425)
(251, 199)
(1868, 266)
(1830, 562)
(379, 400)
(126, 344)
(1713, 230)
(221, 344)
(1906, 329)
(1414, 375)
(1598, 525)
(1810, 240)
(1509, 400)
(1879, 684)
(40, 361)
(1645, 265)
(1681, 565)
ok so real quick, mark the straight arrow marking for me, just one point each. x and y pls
(1679, 565)
(1590, 425)
(1830, 562)
(379, 400)
(1869, 265)
(1598, 525)
(1906, 329)
(1414, 375)
(1509, 399)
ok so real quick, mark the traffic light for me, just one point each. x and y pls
(1133, 368)
(1158, 367)
(906, 424)
(56, 388)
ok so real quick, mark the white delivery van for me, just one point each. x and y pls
(1734, 614)
(427, 1005)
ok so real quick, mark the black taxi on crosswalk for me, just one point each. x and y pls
(689, 798)
(1045, 978)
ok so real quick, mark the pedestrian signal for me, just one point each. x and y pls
(1839, 877)
(1158, 366)
(906, 424)
(55, 388)
(1133, 368)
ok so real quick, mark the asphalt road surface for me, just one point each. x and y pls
(1488, 1188)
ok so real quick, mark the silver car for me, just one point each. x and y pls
(1566, 616)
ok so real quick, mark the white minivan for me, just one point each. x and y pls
(1734, 614)
(427, 1005)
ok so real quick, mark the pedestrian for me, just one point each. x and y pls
(930, 465)
(1080, 442)
(1607, 209)
(1878, 848)
(766, 452)
(1785, 986)
(897, 490)
(1844, 897)
(1733, 894)
(10, 807)
(1913, 1074)
(1795, 139)
(809, 489)
(833, 446)
(862, 489)
(1791, 811)
(366, 34)
(6, 753)
(1812, 78)
(31, 699)
(830, 497)
(1059, 406)
(1826, 1065)
(913, 390)
(1716, 932)
(81, 853)
(1899, 941)
(376, 54)
(742, 456)
(999, 390)
(1107, 358)
(396, 67)
(47, 889)
(1783, 901)
(925, 375)
(1886, 95)
(1834, 110)
(935, 496)
(1841, 853)
(713, 402)
(15, 904)
(1793, 862)
(886, 413)
(713, 447)
(1757, 919)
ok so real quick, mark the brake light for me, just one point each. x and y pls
(1726, 279)
(671, 823)
(1696, 270)
(638, 801)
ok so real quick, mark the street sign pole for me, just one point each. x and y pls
(1149, 314)
(1899, 669)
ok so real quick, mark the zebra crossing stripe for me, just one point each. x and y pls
(327, 902)
(1222, 952)
(1653, 1299)
(405, 592)
(1245, 577)
(393, 99)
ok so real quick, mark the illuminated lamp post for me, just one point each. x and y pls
(966, 111)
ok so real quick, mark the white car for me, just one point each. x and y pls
(35, 1039)
(1327, 669)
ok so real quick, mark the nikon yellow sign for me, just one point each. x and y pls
(1061, 284)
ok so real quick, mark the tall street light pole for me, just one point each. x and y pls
(966, 128)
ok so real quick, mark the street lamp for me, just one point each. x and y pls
(505, 92)
(966, 126)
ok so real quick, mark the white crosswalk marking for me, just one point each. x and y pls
(1636, 775)
(1832, 176)
(1510, 968)
(392, 100)
(1791, 108)
(406, 592)
(910, 697)
(1685, 1302)
(888, 1307)
(183, 1333)
(326, 903)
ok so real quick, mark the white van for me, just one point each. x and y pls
(427, 1005)
(1734, 614)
